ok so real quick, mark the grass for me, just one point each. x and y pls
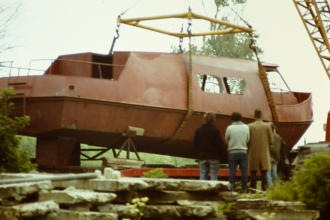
(28, 144)
(146, 157)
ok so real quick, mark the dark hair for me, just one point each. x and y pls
(236, 116)
(209, 117)
(257, 113)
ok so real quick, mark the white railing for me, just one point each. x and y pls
(39, 66)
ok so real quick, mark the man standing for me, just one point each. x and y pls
(209, 146)
(277, 153)
(261, 138)
(237, 137)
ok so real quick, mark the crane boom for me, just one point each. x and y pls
(315, 15)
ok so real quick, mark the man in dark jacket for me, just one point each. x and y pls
(210, 147)
(277, 154)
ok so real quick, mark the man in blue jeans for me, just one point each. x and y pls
(210, 147)
(237, 137)
(277, 153)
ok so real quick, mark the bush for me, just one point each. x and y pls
(313, 183)
(155, 173)
(28, 145)
(310, 184)
(12, 159)
(283, 191)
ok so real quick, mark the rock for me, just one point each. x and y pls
(268, 209)
(167, 196)
(77, 215)
(291, 205)
(121, 210)
(76, 196)
(281, 214)
(186, 185)
(110, 173)
(229, 196)
(15, 192)
(107, 185)
(81, 207)
(28, 210)
(153, 211)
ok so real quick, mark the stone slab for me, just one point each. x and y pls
(28, 210)
(265, 204)
(281, 214)
(127, 211)
(271, 209)
(167, 196)
(179, 211)
(78, 215)
(74, 196)
(106, 185)
(186, 184)
(18, 191)
(130, 183)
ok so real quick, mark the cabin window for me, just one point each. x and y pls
(276, 83)
(210, 84)
(234, 85)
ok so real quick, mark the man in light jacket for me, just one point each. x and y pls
(237, 137)
(261, 138)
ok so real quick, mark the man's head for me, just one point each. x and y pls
(257, 114)
(209, 117)
(236, 116)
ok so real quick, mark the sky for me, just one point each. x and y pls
(46, 29)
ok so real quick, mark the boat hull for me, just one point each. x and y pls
(101, 123)
(93, 99)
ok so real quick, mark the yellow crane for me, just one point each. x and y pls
(315, 15)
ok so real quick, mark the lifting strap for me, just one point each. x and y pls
(190, 101)
(264, 81)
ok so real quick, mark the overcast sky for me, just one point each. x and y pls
(49, 28)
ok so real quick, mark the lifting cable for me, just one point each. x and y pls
(190, 98)
(181, 40)
(116, 36)
(118, 25)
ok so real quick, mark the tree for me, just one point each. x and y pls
(229, 45)
(12, 159)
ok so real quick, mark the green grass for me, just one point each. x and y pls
(28, 144)
(146, 157)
